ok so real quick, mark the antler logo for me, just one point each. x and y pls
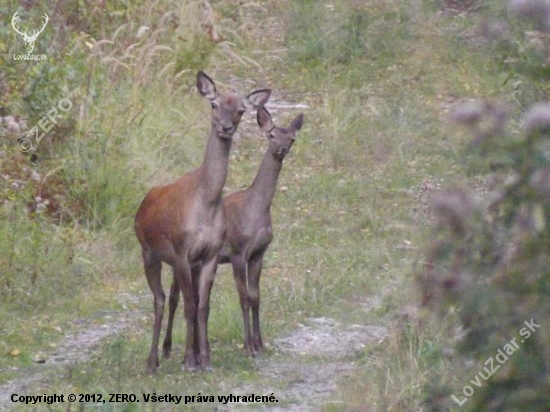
(29, 40)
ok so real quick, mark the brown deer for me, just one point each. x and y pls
(249, 231)
(183, 224)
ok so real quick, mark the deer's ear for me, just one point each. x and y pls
(206, 86)
(264, 119)
(257, 98)
(297, 123)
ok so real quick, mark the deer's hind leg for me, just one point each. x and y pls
(153, 268)
(255, 265)
(172, 306)
(240, 264)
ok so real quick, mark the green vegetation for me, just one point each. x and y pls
(354, 222)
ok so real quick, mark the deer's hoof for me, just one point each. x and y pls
(190, 363)
(151, 368)
(152, 364)
(258, 346)
(205, 362)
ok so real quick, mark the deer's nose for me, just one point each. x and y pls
(283, 151)
(227, 129)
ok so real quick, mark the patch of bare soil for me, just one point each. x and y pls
(309, 363)
(74, 348)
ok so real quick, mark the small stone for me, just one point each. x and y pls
(39, 358)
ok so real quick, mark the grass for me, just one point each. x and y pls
(379, 78)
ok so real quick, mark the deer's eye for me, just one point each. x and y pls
(214, 105)
(271, 136)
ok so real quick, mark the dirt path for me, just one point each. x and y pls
(74, 348)
(302, 373)
(309, 363)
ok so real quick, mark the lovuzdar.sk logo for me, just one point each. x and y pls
(28, 38)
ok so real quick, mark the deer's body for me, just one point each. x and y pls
(249, 229)
(183, 225)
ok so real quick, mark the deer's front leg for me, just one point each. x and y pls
(205, 282)
(183, 277)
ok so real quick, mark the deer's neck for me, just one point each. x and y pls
(265, 183)
(213, 170)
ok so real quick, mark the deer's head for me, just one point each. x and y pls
(29, 39)
(280, 139)
(227, 109)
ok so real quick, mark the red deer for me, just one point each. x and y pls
(183, 224)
